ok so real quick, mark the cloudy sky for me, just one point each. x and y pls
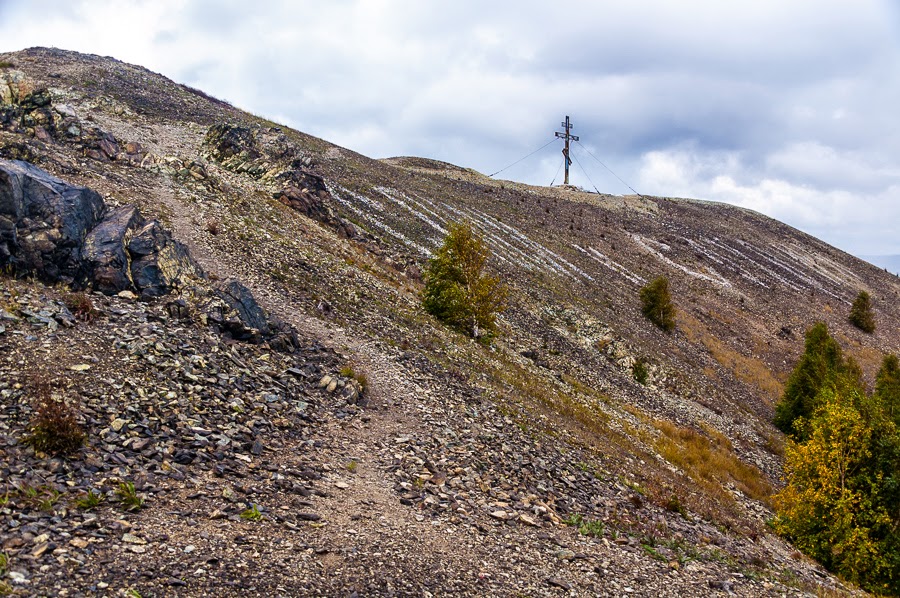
(788, 107)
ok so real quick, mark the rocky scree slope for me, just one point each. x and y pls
(480, 455)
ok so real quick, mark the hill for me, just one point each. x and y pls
(344, 441)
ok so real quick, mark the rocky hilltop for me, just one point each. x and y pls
(232, 309)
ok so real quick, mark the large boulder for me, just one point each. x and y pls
(62, 232)
(44, 222)
(234, 311)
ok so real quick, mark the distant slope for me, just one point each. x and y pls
(891, 263)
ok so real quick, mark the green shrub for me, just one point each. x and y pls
(129, 497)
(54, 428)
(657, 304)
(861, 314)
(251, 514)
(458, 291)
(89, 500)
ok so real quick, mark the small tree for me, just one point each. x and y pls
(822, 360)
(657, 304)
(458, 291)
(861, 314)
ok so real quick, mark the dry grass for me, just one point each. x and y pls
(749, 370)
(81, 306)
(710, 462)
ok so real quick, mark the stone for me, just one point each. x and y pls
(559, 583)
(130, 538)
(62, 232)
(35, 200)
(240, 299)
(527, 520)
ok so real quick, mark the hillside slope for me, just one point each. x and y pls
(466, 469)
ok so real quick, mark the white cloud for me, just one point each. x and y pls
(788, 107)
(864, 219)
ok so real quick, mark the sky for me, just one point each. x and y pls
(787, 107)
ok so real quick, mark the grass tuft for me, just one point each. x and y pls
(129, 497)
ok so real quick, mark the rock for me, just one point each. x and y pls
(249, 321)
(62, 232)
(127, 252)
(559, 583)
(105, 250)
(44, 222)
(528, 520)
(725, 586)
(129, 538)
(257, 448)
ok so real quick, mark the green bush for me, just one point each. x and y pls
(861, 314)
(640, 371)
(458, 291)
(657, 304)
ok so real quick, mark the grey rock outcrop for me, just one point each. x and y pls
(235, 311)
(270, 155)
(44, 222)
(64, 233)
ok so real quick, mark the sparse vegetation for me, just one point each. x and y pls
(251, 514)
(129, 497)
(6, 64)
(458, 291)
(89, 500)
(656, 304)
(640, 371)
(5, 589)
(54, 427)
(711, 464)
(586, 527)
(861, 314)
(348, 372)
(81, 306)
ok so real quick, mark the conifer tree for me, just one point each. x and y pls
(887, 387)
(822, 360)
(861, 314)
